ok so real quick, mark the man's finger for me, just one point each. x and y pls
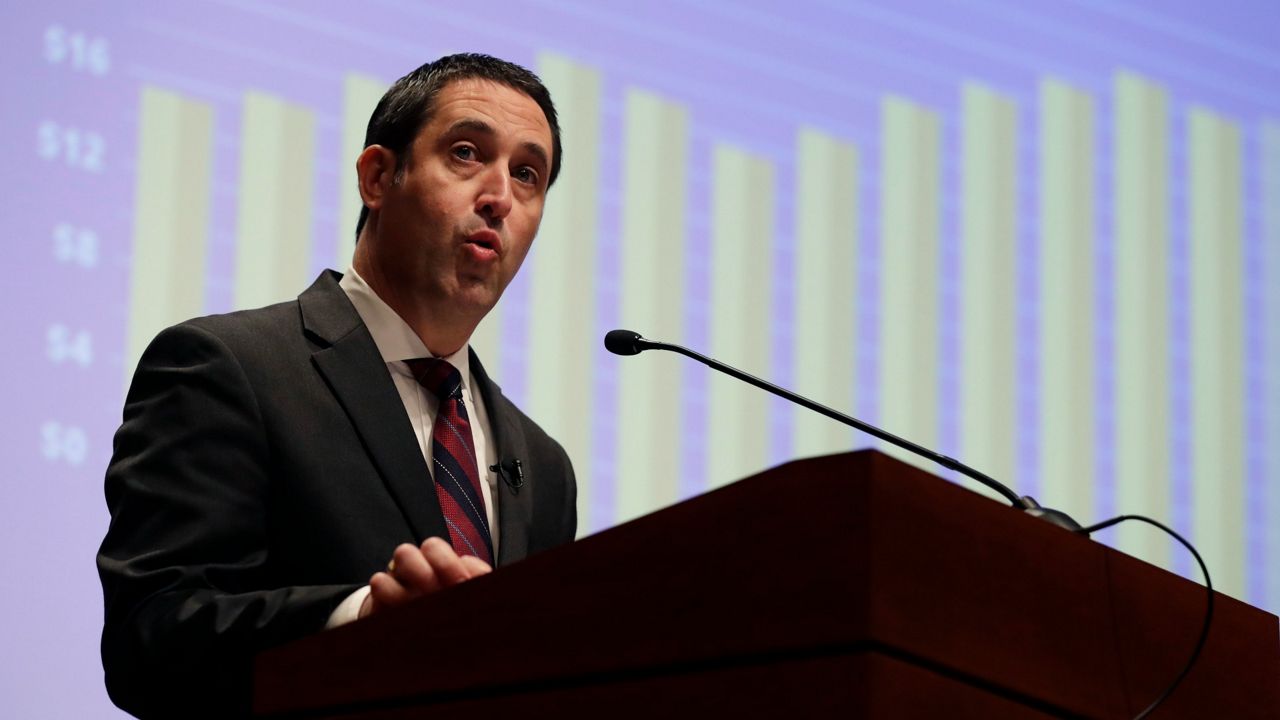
(413, 571)
(446, 563)
(384, 591)
(474, 566)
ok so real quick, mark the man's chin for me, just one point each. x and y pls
(477, 297)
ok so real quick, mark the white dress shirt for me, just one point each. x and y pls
(396, 343)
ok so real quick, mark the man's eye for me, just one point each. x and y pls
(464, 152)
(526, 174)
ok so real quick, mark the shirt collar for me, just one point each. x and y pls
(396, 341)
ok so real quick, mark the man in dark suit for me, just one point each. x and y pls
(271, 476)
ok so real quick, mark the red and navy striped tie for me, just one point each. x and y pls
(453, 460)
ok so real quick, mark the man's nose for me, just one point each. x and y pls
(494, 200)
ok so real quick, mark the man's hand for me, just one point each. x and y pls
(414, 572)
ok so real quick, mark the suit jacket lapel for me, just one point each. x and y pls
(515, 507)
(350, 363)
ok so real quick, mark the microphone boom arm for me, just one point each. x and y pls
(943, 460)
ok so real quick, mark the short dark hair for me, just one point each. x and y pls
(409, 103)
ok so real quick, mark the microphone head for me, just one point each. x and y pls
(623, 342)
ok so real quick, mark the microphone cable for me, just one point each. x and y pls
(1208, 612)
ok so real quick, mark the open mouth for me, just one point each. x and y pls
(485, 239)
(484, 245)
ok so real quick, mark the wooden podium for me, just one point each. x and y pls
(850, 586)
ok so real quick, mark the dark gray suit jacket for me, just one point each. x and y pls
(265, 469)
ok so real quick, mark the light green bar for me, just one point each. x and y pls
(909, 275)
(1141, 235)
(171, 211)
(564, 338)
(273, 228)
(742, 202)
(1270, 186)
(1067, 288)
(360, 95)
(654, 187)
(988, 426)
(1217, 347)
(826, 289)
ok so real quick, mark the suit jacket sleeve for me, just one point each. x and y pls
(185, 570)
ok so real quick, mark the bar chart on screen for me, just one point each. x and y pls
(949, 200)
(1059, 265)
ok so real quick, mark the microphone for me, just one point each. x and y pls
(511, 472)
(627, 342)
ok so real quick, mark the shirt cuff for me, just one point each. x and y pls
(348, 610)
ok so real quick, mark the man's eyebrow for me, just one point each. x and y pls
(537, 150)
(473, 125)
(484, 128)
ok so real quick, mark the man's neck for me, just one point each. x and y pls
(443, 333)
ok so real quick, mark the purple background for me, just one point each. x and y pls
(749, 73)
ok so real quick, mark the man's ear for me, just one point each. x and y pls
(375, 171)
